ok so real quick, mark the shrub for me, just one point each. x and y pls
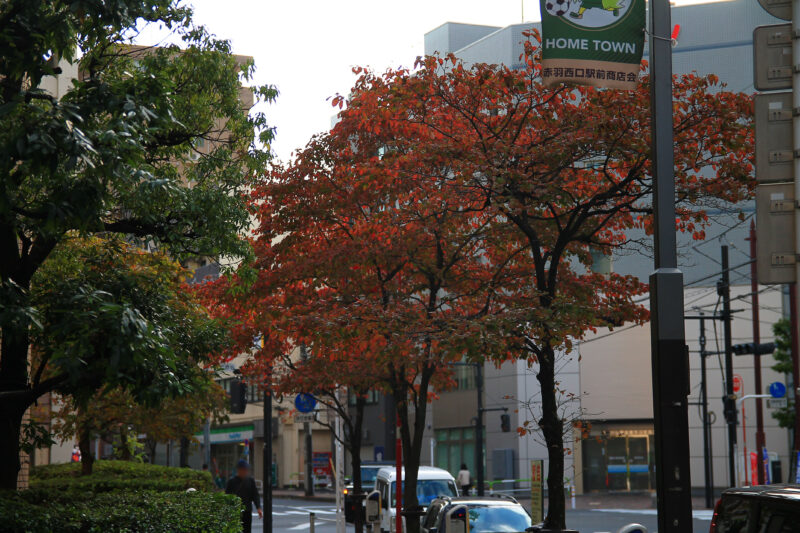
(117, 512)
(118, 476)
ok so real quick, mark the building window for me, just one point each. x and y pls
(254, 394)
(465, 376)
(454, 447)
(371, 398)
(601, 262)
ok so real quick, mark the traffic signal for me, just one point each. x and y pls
(753, 348)
(238, 396)
(505, 423)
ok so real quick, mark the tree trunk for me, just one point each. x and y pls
(85, 445)
(151, 444)
(11, 415)
(412, 443)
(553, 431)
(184, 453)
(355, 462)
(124, 448)
(13, 377)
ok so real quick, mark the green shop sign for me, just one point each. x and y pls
(592, 42)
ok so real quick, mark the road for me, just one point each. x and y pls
(291, 516)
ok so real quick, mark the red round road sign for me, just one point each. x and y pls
(738, 384)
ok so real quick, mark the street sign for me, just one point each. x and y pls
(304, 418)
(738, 384)
(772, 57)
(781, 9)
(537, 491)
(775, 214)
(774, 138)
(305, 403)
(777, 389)
(777, 403)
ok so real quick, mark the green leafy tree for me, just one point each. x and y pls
(119, 335)
(782, 329)
(151, 143)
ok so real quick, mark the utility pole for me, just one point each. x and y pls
(796, 175)
(267, 473)
(708, 461)
(729, 400)
(793, 302)
(760, 437)
(309, 460)
(670, 364)
(479, 464)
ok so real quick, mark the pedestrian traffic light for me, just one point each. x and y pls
(505, 423)
(238, 396)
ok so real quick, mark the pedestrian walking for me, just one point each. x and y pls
(76, 454)
(463, 480)
(244, 486)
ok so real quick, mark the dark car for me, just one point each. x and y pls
(492, 514)
(759, 509)
(369, 471)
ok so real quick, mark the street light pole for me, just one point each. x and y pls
(670, 365)
(267, 474)
(479, 430)
(729, 402)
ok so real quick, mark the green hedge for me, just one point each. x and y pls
(143, 511)
(110, 476)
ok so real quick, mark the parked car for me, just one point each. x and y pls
(432, 483)
(490, 514)
(759, 509)
(369, 471)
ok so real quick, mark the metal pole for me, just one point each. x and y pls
(311, 519)
(796, 132)
(793, 302)
(479, 465)
(207, 443)
(731, 413)
(340, 525)
(670, 365)
(267, 476)
(309, 460)
(707, 452)
(760, 437)
(398, 450)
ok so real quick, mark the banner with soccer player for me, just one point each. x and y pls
(592, 42)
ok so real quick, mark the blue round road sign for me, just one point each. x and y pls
(777, 389)
(305, 402)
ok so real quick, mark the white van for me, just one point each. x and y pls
(431, 483)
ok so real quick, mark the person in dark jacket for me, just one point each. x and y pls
(244, 486)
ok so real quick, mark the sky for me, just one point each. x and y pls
(307, 49)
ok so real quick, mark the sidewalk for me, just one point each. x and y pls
(636, 500)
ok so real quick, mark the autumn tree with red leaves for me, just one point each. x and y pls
(382, 275)
(454, 211)
(568, 170)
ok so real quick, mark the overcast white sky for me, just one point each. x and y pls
(307, 48)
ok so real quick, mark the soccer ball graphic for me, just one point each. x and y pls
(557, 8)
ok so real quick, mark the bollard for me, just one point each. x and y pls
(311, 518)
(572, 495)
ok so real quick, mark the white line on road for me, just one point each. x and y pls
(300, 526)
